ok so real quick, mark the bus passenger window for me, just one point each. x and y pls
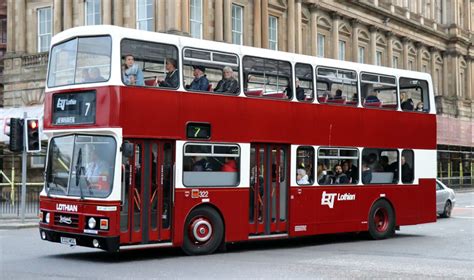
(211, 165)
(380, 166)
(304, 82)
(379, 91)
(267, 78)
(211, 71)
(338, 166)
(305, 166)
(337, 86)
(416, 91)
(149, 64)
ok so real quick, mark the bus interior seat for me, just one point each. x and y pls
(322, 99)
(390, 106)
(209, 87)
(337, 101)
(373, 104)
(279, 95)
(150, 82)
(351, 103)
(251, 92)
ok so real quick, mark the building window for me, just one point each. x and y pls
(439, 11)
(395, 62)
(321, 40)
(342, 50)
(93, 12)
(361, 55)
(145, 15)
(44, 29)
(273, 33)
(410, 65)
(237, 20)
(438, 82)
(3, 30)
(425, 69)
(378, 58)
(196, 18)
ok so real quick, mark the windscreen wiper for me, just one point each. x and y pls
(79, 169)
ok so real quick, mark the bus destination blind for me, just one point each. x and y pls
(74, 108)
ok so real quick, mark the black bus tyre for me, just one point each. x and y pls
(203, 232)
(381, 220)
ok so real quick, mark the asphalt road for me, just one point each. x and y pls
(438, 250)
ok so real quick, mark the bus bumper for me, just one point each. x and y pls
(110, 244)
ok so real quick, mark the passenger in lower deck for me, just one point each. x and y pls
(228, 83)
(339, 176)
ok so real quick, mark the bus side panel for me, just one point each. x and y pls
(231, 203)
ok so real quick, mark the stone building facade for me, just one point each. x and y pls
(434, 36)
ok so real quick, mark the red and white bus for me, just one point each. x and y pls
(303, 146)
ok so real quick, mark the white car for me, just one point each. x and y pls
(445, 199)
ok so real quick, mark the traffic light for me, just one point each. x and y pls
(33, 143)
(14, 129)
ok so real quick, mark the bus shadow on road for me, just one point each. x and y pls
(239, 247)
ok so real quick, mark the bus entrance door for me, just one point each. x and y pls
(147, 200)
(268, 213)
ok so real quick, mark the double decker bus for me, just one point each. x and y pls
(303, 146)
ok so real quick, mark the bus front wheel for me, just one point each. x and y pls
(203, 232)
(381, 220)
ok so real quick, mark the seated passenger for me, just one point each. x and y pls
(406, 103)
(201, 164)
(228, 83)
(366, 173)
(94, 75)
(301, 177)
(300, 94)
(372, 98)
(230, 165)
(339, 176)
(419, 106)
(407, 172)
(337, 95)
(172, 75)
(132, 74)
(85, 75)
(200, 82)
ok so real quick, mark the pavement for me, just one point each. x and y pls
(16, 223)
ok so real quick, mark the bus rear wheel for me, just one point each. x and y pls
(203, 232)
(381, 220)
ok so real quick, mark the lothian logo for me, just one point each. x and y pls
(65, 220)
(329, 198)
(66, 207)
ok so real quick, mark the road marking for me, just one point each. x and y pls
(469, 206)
(460, 217)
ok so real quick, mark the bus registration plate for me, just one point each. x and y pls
(68, 241)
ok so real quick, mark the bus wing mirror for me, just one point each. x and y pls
(127, 149)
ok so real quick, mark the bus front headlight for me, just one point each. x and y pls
(91, 223)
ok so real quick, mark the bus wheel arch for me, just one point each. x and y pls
(204, 230)
(381, 219)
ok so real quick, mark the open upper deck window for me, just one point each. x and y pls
(264, 77)
(379, 91)
(80, 60)
(149, 64)
(337, 86)
(211, 71)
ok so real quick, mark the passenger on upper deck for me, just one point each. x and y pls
(299, 90)
(419, 107)
(372, 98)
(200, 81)
(406, 103)
(337, 95)
(228, 83)
(85, 75)
(132, 74)
(94, 75)
(172, 76)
